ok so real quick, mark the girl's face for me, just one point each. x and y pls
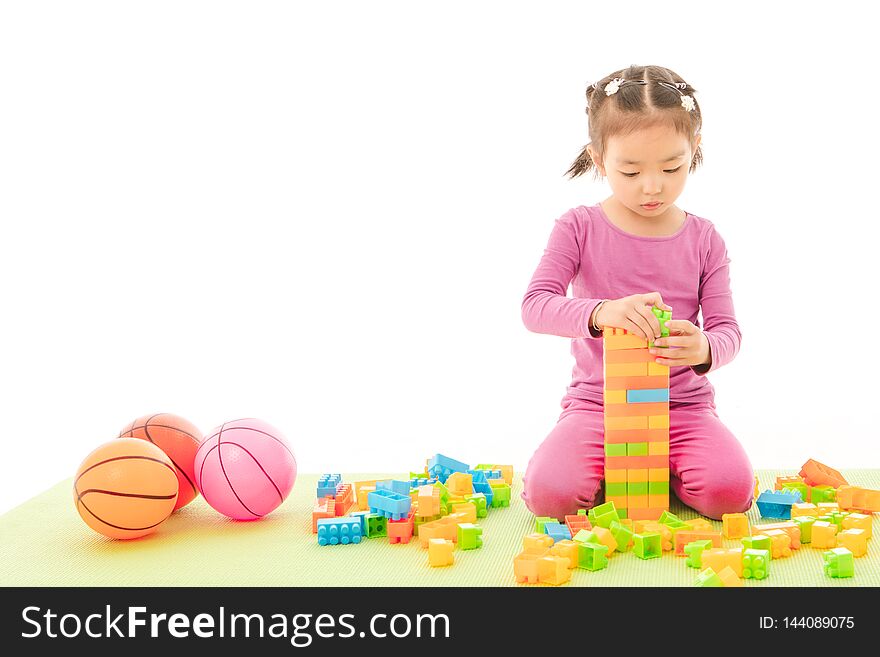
(648, 166)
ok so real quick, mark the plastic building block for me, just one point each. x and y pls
(500, 493)
(377, 526)
(666, 518)
(557, 531)
(446, 527)
(780, 543)
(428, 501)
(505, 470)
(361, 488)
(755, 563)
(577, 522)
(853, 540)
(827, 507)
(553, 570)
(647, 546)
(606, 538)
(778, 504)
(790, 527)
(525, 566)
(541, 522)
(324, 508)
(344, 499)
(468, 510)
(592, 556)
(694, 550)
(469, 536)
(682, 538)
(719, 558)
(567, 549)
(442, 466)
(666, 539)
(460, 483)
(823, 493)
(859, 499)
(815, 474)
(585, 536)
(485, 489)
(858, 521)
(805, 525)
(537, 542)
(389, 504)
(479, 501)
(440, 552)
(700, 525)
(734, 525)
(758, 542)
(394, 485)
(804, 509)
(401, 531)
(603, 515)
(708, 577)
(339, 531)
(623, 535)
(327, 485)
(824, 535)
(729, 577)
(838, 562)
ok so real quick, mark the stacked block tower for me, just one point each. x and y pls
(636, 397)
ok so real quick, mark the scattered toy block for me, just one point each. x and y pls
(592, 556)
(791, 527)
(376, 526)
(735, 525)
(567, 549)
(709, 577)
(327, 485)
(854, 540)
(780, 543)
(838, 562)
(729, 578)
(700, 525)
(537, 543)
(440, 552)
(557, 531)
(804, 509)
(694, 551)
(719, 558)
(479, 501)
(442, 466)
(823, 493)
(756, 563)
(647, 546)
(553, 570)
(339, 531)
(757, 542)
(344, 499)
(622, 536)
(859, 499)
(468, 511)
(525, 566)
(858, 521)
(815, 474)
(606, 538)
(682, 538)
(324, 508)
(824, 535)
(469, 536)
(603, 515)
(401, 531)
(460, 483)
(777, 504)
(577, 522)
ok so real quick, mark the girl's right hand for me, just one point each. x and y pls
(634, 314)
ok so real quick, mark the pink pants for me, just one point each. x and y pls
(709, 470)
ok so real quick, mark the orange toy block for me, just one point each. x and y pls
(429, 501)
(344, 499)
(858, 521)
(401, 531)
(791, 479)
(645, 513)
(606, 538)
(824, 535)
(446, 527)
(827, 507)
(818, 474)
(460, 483)
(468, 511)
(567, 549)
(780, 543)
(553, 570)
(361, 490)
(537, 543)
(734, 525)
(700, 525)
(525, 566)
(804, 509)
(440, 552)
(719, 558)
(789, 527)
(729, 577)
(657, 528)
(854, 540)
(324, 508)
(684, 537)
(576, 523)
(860, 499)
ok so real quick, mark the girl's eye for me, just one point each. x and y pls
(631, 175)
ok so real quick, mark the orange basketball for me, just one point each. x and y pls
(179, 439)
(126, 488)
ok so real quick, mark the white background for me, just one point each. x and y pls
(326, 215)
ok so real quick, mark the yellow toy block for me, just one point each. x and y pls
(658, 474)
(440, 552)
(728, 577)
(857, 498)
(567, 549)
(626, 422)
(361, 490)
(658, 500)
(615, 396)
(652, 526)
(616, 476)
(537, 543)
(854, 540)
(620, 501)
(626, 369)
(525, 566)
(636, 475)
(658, 422)
(824, 535)
(468, 511)
(429, 501)
(553, 570)
(780, 545)
(700, 524)
(606, 538)
(460, 483)
(637, 501)
(719, 558)
(658, 448)
(858, 521)
(804, 509)
(734, 525)
(622, 340)
(656, 369)
(828, 507)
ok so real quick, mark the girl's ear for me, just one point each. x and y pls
(597, 163)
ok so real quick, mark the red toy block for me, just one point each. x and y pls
(401, 531)
(324, 508)
(577, 523)
(344, 499)
(818, 474)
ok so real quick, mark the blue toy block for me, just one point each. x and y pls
(484, 488)
(418, 482)
(442, 466)
(477, 476)
(395, 485)
(777, 504)
(361, 516)
(647, 395)
(389, 504)
(336, 531)
(557, 531)
(327, 485)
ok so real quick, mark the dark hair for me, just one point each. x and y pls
(635, 107)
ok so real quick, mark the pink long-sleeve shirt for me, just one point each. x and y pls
(690, 269)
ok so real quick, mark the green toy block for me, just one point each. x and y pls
(500, 493)
(756, 563)
(585, 536)
(616, 488)
(479, 501)
(805, 523)
(377, 525)
(837, 518)
(603, 515)
(637, 488)
(540, 521)
(421, 520)
(469, 536)
(709, 578)
(666, 518)
(582, 512)
(694, 552)
(758, 542)
(802, 488)
(636, 449)
(615, 449)
(647, 545)
(444, 492)
(658, 487)
(822, 494)
(622, 534)
(662, 317)
(592, 556)
(838, 562)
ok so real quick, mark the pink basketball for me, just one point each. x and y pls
(245, 469)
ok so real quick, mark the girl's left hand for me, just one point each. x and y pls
(687, 344)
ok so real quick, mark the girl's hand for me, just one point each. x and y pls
(634, 314)
(688, 345)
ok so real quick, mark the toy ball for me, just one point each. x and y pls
(126, 488)
(179, 439)
(245, 469)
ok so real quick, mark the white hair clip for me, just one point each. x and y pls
(613, 86)
(688, 102)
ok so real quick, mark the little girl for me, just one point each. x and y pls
(634, 250)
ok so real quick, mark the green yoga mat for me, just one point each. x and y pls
(45, 543)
